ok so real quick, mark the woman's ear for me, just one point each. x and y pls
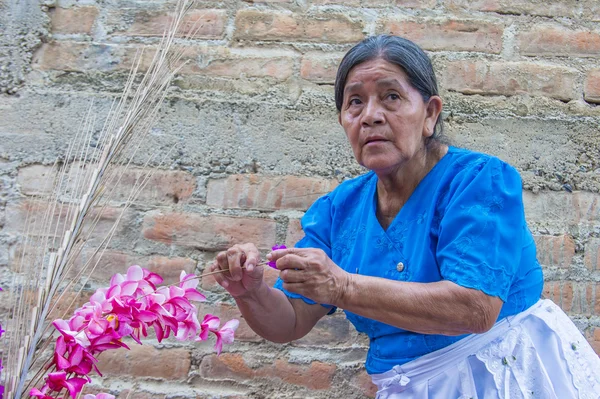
(434, 108)
(340, 118)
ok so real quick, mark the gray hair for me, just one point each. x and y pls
(399, 51)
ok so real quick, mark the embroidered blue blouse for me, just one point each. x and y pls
(463, 223)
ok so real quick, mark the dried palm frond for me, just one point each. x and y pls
(61, 220)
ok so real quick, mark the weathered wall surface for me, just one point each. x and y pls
(254, 123)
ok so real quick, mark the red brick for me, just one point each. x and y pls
(73, 20)
(593, 337)
(320, 67)
(269, 26)
(36, 179)
(146, 361)
(270, 276)
(17, 214)
(220, 61)
(208, 232)
(542, 8)
(113, 262)
(575, 298)
(555, 251)
(449, 35)
(557, 41)
(510, 78)
(227, 312)
(591, 258)
(316, 376)
(364, 383)
(592, 87)
(83, 57)
(294, 232)
(251, 66)
(206, 23)
(162, 186)
(267, 192)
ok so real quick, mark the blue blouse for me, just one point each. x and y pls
(464, 223)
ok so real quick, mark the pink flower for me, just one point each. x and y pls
(225, 334)
(36, 393)
(189, 282)
(275, 248)
(210, 323)
(72, 358)
(58, 381)
(128, 307)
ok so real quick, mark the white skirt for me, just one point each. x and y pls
(538, 353)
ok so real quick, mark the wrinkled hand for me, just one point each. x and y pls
(239, 281)
(310, 272)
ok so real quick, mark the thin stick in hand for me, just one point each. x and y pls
(226, 270)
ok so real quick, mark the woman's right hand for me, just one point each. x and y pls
(243, 275)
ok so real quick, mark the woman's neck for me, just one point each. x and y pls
(395, 187)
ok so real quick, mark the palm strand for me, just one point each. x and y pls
(85, 184)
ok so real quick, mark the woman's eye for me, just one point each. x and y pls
(393, 96)
(354, 101)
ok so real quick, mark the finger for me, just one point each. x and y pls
(220, 278)
(223, 263)
(279, 253)
(292, 261)
(235, 258)
(252, 256)
(293, 276)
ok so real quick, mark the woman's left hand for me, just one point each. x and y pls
(310, 272)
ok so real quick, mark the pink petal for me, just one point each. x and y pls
(194, 295)
(98, 297)
(61, 362)
(135, 273)
(74, 385)
(113, 291)
(152, 277)
(176, 291)
(76, 355)
(188, 280)
(218, 344)
(212, 322)
(128, 288)
(146, 316)
(116, 280)
(232, 324)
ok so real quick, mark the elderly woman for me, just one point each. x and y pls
(428, 253)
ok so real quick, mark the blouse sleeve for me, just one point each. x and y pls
(479, 243)
(316, 225)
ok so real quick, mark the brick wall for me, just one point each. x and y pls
(254, 124)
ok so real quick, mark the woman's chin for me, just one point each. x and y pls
(379, 164)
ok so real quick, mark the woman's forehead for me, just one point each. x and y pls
(384, 73)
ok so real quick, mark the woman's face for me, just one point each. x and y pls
(385, 118)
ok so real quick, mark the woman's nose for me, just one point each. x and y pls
(372, 114)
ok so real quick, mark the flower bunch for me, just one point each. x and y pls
(275, 248)
(129, 307)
